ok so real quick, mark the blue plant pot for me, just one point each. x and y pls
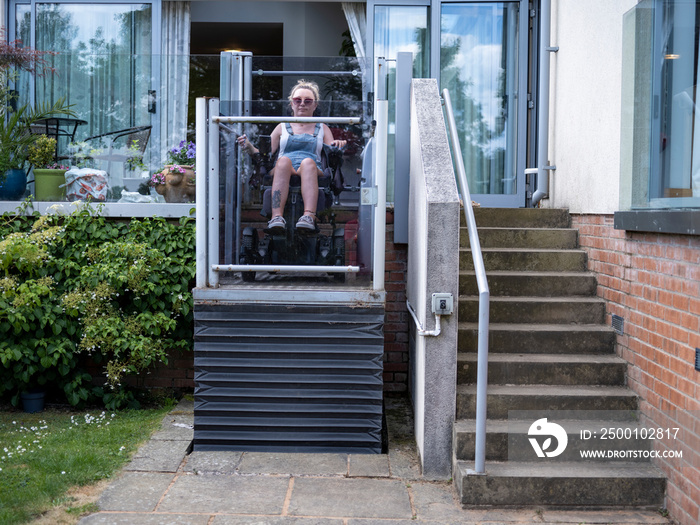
(14, 185)
(33, 401)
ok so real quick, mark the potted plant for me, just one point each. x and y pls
(178, 177)
(49, 177)
(136, 171)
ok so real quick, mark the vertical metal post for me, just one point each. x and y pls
(402, 140)
(542, 189)
(380, 136)
(213, 190)
(201, 192)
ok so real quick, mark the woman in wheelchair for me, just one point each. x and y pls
(299, 146)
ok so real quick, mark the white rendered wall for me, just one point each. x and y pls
(585, 104)
(310, 28)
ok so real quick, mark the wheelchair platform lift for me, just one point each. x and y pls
(288, 365)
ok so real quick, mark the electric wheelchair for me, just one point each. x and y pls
(293, 246)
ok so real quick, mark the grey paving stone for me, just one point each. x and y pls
(226, 494)
(185, 406)
(175, 428)
(113, 518)
(404, 463)
(294, 464)
(616, 517)
(135, 492)
(159, 456)
(368, 465)
(367, 498)
(435, 501)
(273, 520)
(213, 462)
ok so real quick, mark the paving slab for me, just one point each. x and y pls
(217, 462)
(132, 518)
(213, 493)
(612, 517)
(368, 465)
(159, 456)
(175, 428)
(352, 498)
(294, 464)
(273, 520)
(435, 501)
(135, 491)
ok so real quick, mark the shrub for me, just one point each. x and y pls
(82, 284)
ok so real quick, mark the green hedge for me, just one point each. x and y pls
(85, 284)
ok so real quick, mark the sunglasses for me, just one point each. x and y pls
(298, 101)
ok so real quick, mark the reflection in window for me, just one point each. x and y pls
(675, 83)
(660, 165)
(400, 29)
(479, 49)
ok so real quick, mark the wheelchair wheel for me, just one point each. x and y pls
(248, 277)
(249, 244)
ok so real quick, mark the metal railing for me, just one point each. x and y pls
(480, 271)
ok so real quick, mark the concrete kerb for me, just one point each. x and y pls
(226, 488)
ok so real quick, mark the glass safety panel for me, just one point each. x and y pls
(400, 28)
(480, 66)
(342, 234)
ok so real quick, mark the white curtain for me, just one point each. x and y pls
(356, 16)
(175, 76)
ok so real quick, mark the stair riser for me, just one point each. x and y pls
(525, 261)
(531, 285)
(573, 491)
(559, 312)
(521, 218)
(540, 342)
(498, 406)
(604, 374)
(497, 447)
(521, 238)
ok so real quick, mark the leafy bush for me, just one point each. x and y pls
(118, 292)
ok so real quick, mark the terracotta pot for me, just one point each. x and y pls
(178, 187)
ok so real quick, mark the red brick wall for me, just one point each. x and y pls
(652, 281)
(397, 317)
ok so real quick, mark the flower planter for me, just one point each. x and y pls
(13, 186)
(47, 185)
(178, 187)
(33, 400)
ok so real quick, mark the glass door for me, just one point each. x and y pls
(483, 63)
(104, 56)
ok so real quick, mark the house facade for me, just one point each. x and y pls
(588, 106)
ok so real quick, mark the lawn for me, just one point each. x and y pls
(44, 456)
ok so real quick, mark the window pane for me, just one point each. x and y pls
(479, 65)
(400, 29)
(103, 62)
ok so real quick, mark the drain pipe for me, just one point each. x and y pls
(543, 169)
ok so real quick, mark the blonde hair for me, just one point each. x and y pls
(305, 84)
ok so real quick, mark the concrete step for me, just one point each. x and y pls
(561, 484)
(526, 260)
(545, 310)
(543, 284)
(545, 369)
(540, 338)
(521, 217)
(547, 400)
(551, 238)
(508, 440)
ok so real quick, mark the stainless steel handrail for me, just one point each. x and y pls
(480, 271)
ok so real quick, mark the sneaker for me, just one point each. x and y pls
(277, 223)
(306, 222)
